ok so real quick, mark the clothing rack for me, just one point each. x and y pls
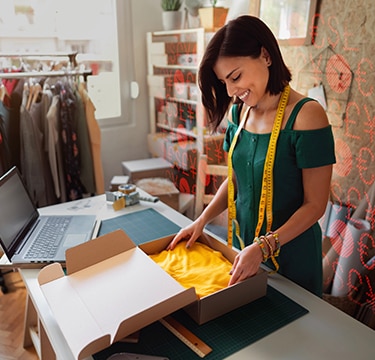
(27, 74)
(72, 56)
(54, 73)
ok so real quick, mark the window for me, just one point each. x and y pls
(35, 31)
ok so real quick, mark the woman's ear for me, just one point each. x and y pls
(267, 57)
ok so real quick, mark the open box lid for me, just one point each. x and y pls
(112, 290)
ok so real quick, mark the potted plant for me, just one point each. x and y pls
(214, 17)
(172, 16)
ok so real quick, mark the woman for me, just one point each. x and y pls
(242, 75)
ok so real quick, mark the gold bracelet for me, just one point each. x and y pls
(268, 244)
(272, 254)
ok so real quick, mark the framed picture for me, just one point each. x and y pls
(292, 21)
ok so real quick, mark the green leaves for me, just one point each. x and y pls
(171, 5)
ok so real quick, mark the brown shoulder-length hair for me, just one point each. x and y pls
(243, 36)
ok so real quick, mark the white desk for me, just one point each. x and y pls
(324, 333)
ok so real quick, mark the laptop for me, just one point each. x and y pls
(29, 239)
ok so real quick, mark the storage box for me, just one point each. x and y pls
(219, 303)
(118, 180)
(146, 168)
(116, 289)
(163, 188)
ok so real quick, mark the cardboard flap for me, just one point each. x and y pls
(94, 347)
(156, 312)
(75, 320)
(96, 250)
(49, 273)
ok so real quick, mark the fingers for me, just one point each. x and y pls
(181, 235)
(243, 267)
(174, 241)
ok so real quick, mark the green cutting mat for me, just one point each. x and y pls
(141, 226)
(225, 335)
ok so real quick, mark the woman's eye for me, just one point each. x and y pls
(236, 78)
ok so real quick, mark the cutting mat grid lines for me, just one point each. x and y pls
(141, 226)
(225, 335)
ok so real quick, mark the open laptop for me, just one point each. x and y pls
(22, 228)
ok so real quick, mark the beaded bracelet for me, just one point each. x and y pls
(277, 242)
(268, 244)
(272, 254)
(262, 247)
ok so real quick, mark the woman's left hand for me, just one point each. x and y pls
(246, 263)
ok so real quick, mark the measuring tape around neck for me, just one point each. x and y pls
(265, 202)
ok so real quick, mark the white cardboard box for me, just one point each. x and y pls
(146, 168)
(112, 290)
(116, 289)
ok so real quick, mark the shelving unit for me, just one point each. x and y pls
(177, 121)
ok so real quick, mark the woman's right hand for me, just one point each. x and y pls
(190, 233)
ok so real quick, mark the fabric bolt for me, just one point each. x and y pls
(295, 151)
(201, 267)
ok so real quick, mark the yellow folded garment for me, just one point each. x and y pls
(201, 267)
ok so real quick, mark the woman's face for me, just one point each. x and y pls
(244, 77)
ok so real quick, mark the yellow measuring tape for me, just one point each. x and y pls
(265, 203)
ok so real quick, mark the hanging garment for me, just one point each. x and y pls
(95, 139)
(55, 155)
(68, 131)
(14, 123)
(31, 153)
(87, 169)
(5, 154)
(38, 112)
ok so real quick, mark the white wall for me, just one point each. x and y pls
(128, 141)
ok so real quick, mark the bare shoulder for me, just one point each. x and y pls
(311, 116)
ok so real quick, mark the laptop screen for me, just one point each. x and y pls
(16, 209)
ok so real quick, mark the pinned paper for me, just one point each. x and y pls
(317, 93)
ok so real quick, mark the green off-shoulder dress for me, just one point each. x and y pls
(300, 260)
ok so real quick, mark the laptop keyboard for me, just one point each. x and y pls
(49, 238)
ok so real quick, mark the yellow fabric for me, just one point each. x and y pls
(199, 266)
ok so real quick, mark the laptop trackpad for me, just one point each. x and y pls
(74, 239)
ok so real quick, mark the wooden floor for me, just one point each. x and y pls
(12, 311)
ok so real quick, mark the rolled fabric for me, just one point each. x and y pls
(335, 224)
(323, 221)
(353, 238)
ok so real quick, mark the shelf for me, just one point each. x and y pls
(177, 67)
(175, 101)
(180, 130)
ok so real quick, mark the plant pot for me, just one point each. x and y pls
(172, 20)
(213, 18)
